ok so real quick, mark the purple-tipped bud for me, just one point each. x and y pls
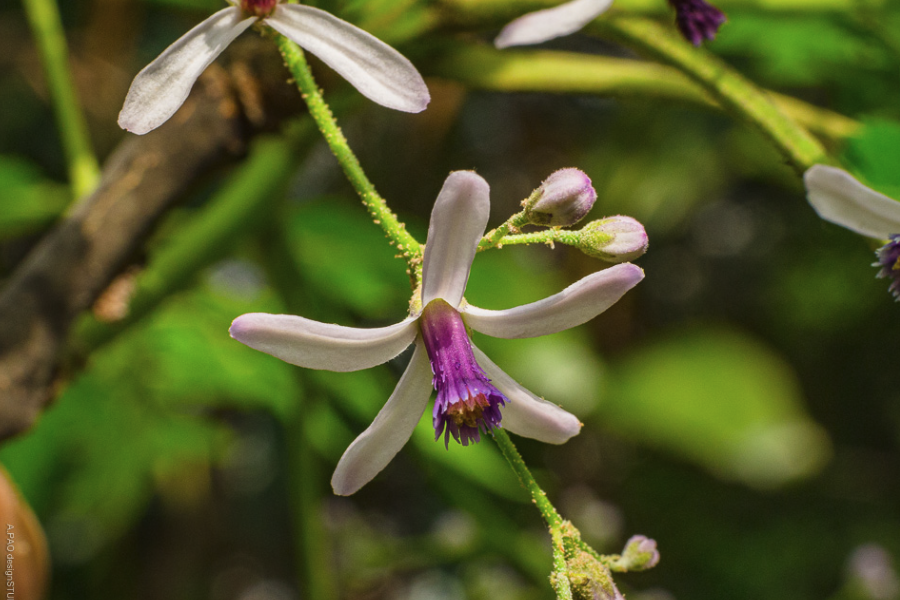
(467, 404)
(614, 239)
(258, 8)
(889, 261)
(697, 20)
(640, 554)
(563, 199)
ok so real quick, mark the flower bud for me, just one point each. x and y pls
(563, 199)
(25, 549)
(614, 239)
(640, 554)
(697, 20)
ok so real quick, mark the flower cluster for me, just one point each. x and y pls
(473, 394)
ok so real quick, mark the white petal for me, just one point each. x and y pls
(838, 197)
(458, 219)
(316, 345)
(525, 414)
(375, 69)
(550, 23)
(160, 89)
(577, 304)
(377, 445)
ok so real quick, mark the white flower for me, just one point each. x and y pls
(543, 25)
(375, 69)
(697, 21)
(839, 198)
(471, 388)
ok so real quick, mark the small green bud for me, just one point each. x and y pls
(614, 239)
(590, 579)
(563, 199)
(640, 554)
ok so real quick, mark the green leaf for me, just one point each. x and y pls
(798, 49)
(29, 201)
(134, 424)
(344, 257)
(721, 399)
(873, 154)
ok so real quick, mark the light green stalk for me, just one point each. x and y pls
(321, 114)
(560, 578)
(84, 173)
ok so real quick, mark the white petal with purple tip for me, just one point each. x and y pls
(458, 220)
(389, 432)
(375, 69)
(525, 414)
(316, 345)
(577, 304)
(160, 89)
(839, 198)
(550, 23)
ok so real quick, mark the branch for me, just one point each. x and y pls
(145, 176)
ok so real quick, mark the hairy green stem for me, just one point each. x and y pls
(321, 114)
(730, 89)
(495, 236)
(84, 173)
(547, 236)
(554, 521)
(538, 496)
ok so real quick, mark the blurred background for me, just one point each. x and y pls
(740, 405)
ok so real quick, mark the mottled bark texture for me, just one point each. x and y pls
(144, 177)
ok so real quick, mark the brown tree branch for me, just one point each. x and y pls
(143, 178)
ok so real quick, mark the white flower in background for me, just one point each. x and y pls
(840, 198)
(696, 19)
(471, 390)
(375, 69)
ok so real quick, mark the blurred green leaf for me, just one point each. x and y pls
(798, 49)
(873, 154)
(119, 433)
(29, 201)
(721, 399)
(345, 258)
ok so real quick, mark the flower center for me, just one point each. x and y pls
(258, 8)
(467, 404)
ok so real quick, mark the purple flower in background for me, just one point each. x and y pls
(889, 261)
(473, 394)
(696, 20)
(840, 198)
(375, 69)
